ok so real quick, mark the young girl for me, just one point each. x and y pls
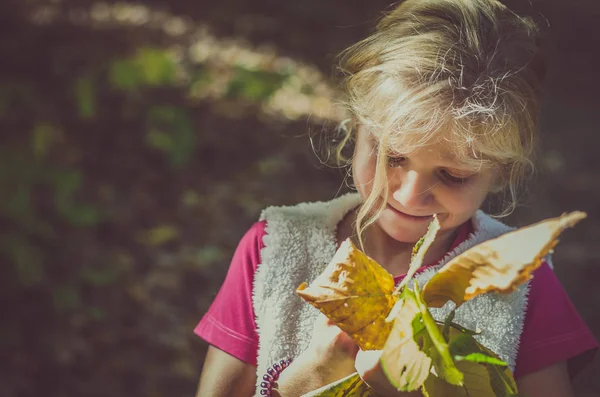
(444, 98)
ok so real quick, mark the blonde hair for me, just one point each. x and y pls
(463, 71)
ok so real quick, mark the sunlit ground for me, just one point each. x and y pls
(217, 69)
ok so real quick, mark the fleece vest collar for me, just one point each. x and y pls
(300, 241)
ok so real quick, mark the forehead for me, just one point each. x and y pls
(445, 153)
(437, 150)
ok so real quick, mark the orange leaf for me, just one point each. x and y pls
(497, 265)
(355, 292)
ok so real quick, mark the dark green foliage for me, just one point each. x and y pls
(123, 194)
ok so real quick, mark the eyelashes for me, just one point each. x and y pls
(444, 175)
(453, 179)
(396, 161)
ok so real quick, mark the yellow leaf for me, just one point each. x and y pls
(403, 360)
(497, 265)
(350, 386)
(355, 292)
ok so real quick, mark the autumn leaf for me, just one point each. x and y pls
(354, 292)
(402, 360)
(415, 345)
(419, 251)
(350, 386)
(416, 261)
(497, 265)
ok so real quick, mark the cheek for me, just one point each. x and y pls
(467, 201)
(363, 173)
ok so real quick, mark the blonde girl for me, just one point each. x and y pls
(444, 98)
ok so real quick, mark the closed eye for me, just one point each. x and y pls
(396, 161)
(454, 179)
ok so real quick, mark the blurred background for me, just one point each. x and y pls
(141, 140)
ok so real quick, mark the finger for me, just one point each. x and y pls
(367, 362)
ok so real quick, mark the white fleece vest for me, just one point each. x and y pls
(299, 243)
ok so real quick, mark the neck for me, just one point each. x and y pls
(393, 255)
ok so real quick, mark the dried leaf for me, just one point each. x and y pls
(415, 345)
(355, 292)
(416, 261)
(420, 250)
(402, 360)
(350, 386)
(497, 265)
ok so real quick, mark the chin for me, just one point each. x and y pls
(403, 234)
(402, 230)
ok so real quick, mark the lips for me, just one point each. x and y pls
(419, 217)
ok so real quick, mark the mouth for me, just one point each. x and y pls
(409, 216)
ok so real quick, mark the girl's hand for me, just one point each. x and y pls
(369, 368)
(330, 356)
(331, 347)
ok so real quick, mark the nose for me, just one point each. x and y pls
(414, 191)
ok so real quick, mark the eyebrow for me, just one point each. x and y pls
(452, 162)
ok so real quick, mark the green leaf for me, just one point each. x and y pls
(97, 314)
(18, 204)
(200, 80)
(211, 254)
(159, 140)
(66, 297)
(44, 135)
(463, 329)
(100, 276)
(171, 131)
(158, 236)
(464, 345)
(481, 358)
(28, 260)
(447, 321)
(502, 383)
(440, 353)
(190, 199)
(156, 66)
(123, 75)
(350, 386)
(415, 345)
(403, 360)
(85, 93)
(81, 215)
(254, 85)
(66, 182)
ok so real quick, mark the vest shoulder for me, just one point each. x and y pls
(488, 226)
(330, 211)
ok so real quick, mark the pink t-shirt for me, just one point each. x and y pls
(553, 330)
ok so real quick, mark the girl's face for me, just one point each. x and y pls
(425, 182)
